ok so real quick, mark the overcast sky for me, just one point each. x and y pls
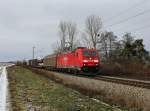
(28, 23)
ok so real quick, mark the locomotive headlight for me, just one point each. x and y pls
(85, 60)
(96, 61)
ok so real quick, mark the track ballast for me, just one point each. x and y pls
(131, 82)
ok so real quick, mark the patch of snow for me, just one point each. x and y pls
(3, 89)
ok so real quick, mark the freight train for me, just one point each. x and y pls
(80, 61)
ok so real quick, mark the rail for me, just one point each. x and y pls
(131, 82)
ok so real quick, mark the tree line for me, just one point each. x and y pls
(107, 43)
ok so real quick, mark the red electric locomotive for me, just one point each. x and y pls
(81, 60)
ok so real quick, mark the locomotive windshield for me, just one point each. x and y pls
(85, 53)
(89, 53)
(93, 53)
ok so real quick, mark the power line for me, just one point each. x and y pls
(126, 10)
(131, 28)
(139, 28)
(131, 17)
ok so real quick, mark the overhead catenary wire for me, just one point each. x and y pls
(126, 10)
(122, 28)
(138, 29)
(129, 18)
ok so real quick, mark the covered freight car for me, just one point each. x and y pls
(50, 62)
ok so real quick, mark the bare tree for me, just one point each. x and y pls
(67, 33)
(56, 47)
(111, 41)
(103, 44)
(93, 28)
(86, 41)
(107, 43)
(128, 38)
(62, 32)
(72, 31)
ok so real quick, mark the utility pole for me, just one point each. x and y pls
(33, 53)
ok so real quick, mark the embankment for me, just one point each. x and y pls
(134, 98)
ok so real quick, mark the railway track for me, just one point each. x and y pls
(124, 81)
(131, 82)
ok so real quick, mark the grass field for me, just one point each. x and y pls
(32, 92)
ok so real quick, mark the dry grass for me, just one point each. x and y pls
(136, 99)
(32, 92)
(134, 69)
